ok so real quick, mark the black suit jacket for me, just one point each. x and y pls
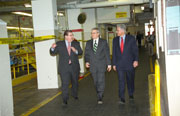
(124, 61)
(100, 60)
(64, 57)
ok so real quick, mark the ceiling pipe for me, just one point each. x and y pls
(14, 8)
(102, 4)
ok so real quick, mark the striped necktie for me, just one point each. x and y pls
(95, 47)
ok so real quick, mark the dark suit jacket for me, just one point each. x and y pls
(130, 53)
(64, 57)
(100, 60)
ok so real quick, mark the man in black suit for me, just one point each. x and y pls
(125, 59)
(68, 68)
(97, 58)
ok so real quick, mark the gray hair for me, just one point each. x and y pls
(122, 26)
(95, 28)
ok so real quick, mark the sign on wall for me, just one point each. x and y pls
(121, 14)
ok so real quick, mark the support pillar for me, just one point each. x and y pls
(45, 23)
(6, 96)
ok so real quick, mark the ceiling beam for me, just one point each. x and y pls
(13, 9)
(14, 3)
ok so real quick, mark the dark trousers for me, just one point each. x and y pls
(130, 74)
(66, 78)
(99, 83)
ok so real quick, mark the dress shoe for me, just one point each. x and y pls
(64, 103)
(131, 97)
(122, 101)
(100, 101)
(76, 98)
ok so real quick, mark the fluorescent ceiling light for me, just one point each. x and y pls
(22, 28)
(142, 7)
(22, 13)
(27, 5)
(60, 14)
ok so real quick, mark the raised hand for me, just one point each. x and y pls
(53, 45)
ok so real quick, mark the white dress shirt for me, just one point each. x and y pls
(97, 41)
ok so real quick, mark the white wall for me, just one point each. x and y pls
(108, 15)
(160, 26)
(6, 96)
(3, 32)
(73, 24)
(62, 23)
(90, 22)
(172, 60)
(173, 86)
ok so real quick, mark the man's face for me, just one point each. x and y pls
(119, 31)
(94, 34)
(69, 37)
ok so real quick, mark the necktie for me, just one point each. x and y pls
(69, 51)
(122, 45)
(95, 47)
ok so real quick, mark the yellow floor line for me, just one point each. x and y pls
(35, 108)
(151, 64)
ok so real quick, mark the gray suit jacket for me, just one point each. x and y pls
(64, 57)
(100, 60)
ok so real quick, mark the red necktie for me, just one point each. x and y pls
(69, 51)
(122, 45)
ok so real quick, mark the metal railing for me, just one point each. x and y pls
(25, 53)
(16, 68)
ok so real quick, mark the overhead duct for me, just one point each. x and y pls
(102, 4)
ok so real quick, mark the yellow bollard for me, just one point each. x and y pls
(157, 90)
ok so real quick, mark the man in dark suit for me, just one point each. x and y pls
(97, 58)
(125, 59)
(68, 68)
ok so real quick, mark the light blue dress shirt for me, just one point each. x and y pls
(123, 39)
(67, 43)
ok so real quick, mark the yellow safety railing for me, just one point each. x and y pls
(24, 45)
(25, 40)
(157, 90)
(30, 40)
(16, 68)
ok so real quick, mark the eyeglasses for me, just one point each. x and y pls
(94, 33)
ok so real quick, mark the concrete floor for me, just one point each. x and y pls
(27, 96)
